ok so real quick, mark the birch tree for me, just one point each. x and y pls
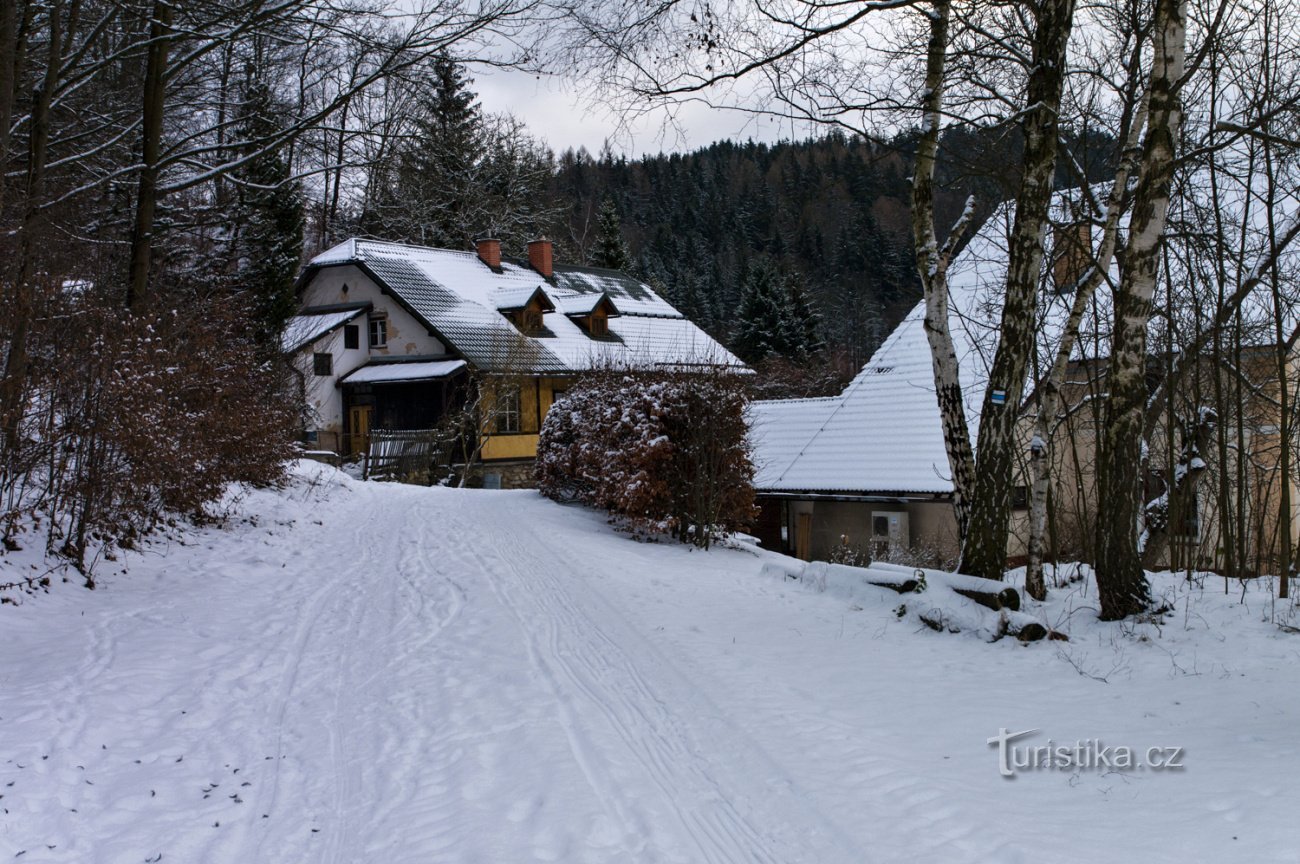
(1130, 122)
(985, 552)
(808, 63)
(1121, 583)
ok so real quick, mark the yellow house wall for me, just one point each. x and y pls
(536, 395)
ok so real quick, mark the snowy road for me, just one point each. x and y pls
(367, 673)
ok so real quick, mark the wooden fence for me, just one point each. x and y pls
(398, 454)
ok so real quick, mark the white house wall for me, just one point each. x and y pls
(406, 336)
(324, 398)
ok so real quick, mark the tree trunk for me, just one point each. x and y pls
(146, 205)
(1121, 583)
(985, 552)
(13, 384)
(932, 264)
(9, 77)
(1049, 391)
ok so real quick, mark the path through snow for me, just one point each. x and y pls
(363, 673)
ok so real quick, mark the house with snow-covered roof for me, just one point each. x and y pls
(868, 468)
(388, 336)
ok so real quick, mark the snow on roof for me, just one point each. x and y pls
(883, 433)
(585, 304)
(425, 370)
(459, 297)
(781, 429)
(512, 297)
(302, 330)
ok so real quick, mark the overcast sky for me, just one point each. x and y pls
(561, 116)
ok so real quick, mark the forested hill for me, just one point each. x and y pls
(828, 215)
(831, 213)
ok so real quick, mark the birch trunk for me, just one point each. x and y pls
(1121, 583)
(932, 264)
(1049, 392)
(985, 552)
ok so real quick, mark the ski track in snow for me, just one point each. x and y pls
(597, 683)
(377, 673)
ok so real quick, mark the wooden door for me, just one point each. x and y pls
(803, 536)
(359, 428)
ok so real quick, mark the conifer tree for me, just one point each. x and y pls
(268, 221)
(765, 321)
(433, 177)
(610, 252)
(460, 172)
(804, 321)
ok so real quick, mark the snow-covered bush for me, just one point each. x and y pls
(665, 450)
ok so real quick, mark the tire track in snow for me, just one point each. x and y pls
(592, 675)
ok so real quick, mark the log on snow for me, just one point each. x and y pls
(989, 593)
(1026, 628)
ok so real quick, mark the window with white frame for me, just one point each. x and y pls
(378, 332)
(508, 408)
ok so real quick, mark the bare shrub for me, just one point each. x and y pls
(131, 419)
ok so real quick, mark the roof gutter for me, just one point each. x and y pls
(901, 498)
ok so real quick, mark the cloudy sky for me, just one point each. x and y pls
(558, 113)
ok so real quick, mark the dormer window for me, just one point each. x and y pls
(378, 332)
(524, 307)
(529, 320)
(592, 314)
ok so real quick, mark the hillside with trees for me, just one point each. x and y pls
(827, 217)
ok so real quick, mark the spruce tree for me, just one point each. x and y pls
(268, 218)
(804, 322)
(459, 172)
(434, 169)
(610, 252)
(764, 320)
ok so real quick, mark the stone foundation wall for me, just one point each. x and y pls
(502, 475)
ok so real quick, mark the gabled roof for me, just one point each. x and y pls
(581, 305)
(302, 330)
(513, 298)
(883, 433)
(460, 298)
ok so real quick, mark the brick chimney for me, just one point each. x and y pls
(489, 252)
(539, 256)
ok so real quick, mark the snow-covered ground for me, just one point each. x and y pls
(356, 672)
